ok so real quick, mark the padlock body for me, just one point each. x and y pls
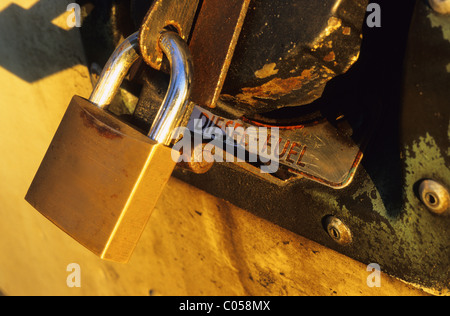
(100, 180)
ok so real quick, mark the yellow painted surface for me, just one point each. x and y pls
(194, 244)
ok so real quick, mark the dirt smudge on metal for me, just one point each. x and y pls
(276, 88)
(103, 130)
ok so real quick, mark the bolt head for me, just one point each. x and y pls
(440, 6)
(434, 196)
(338, 231)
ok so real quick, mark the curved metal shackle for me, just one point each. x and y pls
(176, 101)
(115, 71)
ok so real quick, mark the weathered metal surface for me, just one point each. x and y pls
(389, 224)
(179, 14)
(288, 51)
(243, 254)
(285, 55)
(213, 42)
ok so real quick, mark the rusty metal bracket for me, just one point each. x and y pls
(213, 42)
(179, 14)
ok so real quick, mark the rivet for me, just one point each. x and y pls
(337, 230)
(434, 196)
(440, 6)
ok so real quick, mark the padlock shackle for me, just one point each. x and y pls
(176, 101)
(115, 70)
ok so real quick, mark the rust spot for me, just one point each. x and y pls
(103, 130)
(177, 26)
(346, 30)
(276, 88)
(330, 57)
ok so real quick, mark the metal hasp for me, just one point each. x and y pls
(315, 151)
(100, 178)
(179, 14)
(215, 27)
(271, 54)
(213, 44)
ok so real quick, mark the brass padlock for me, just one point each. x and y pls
(100, 178)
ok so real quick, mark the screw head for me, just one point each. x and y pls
(200, 162)
(338, 231)
(440, 6)
(434, 196)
